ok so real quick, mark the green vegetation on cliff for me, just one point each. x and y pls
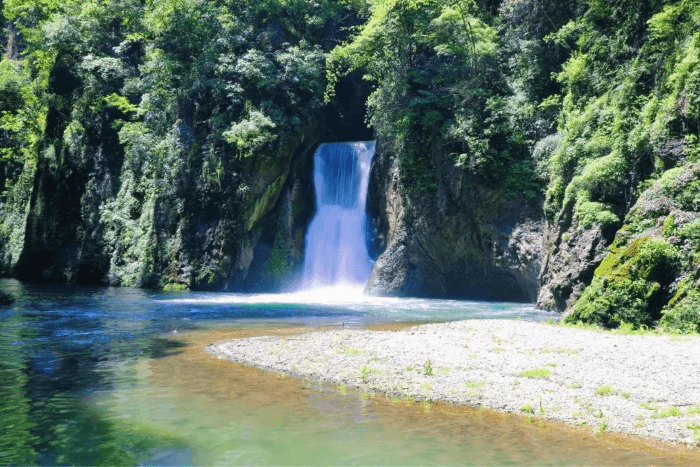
(449, 80)
(156, 143)
(627, 158)
(141, 141)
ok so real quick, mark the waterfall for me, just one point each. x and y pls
(336, 251)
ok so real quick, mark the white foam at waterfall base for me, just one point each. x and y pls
(336, 250)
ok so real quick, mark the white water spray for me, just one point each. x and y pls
(336, 251)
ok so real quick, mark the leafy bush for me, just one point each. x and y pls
(684, 318)
(691, 231)
(588, 213)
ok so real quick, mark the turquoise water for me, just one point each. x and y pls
(105, 376)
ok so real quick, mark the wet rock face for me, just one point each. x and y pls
(464, 241)
(272, 256)
(571, 258)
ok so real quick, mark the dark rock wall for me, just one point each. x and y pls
(465, 240)
(570, 258)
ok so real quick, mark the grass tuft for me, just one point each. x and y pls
(602, 428)
(648, 406)
(606, 390)
(476, 384)
(665, 412)
(536, 373)
(364, 373)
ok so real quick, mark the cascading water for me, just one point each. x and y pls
(336, 251)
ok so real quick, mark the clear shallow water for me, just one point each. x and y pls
(92, 376)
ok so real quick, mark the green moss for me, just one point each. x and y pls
(684, 287)
(279, 258)
(630, 284)
(266, 202)
(617, 261)
(175, 287)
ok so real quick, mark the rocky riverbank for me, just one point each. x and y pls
(646, 385)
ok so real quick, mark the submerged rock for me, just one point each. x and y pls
(6, 298)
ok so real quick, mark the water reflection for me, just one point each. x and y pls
(57, 347)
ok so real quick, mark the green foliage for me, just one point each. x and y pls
(439, 89)
(626, 110)
(683, 315)
(691, 232)
(251, 134)
(629, 285)
(650, 280)
(669, 226)
(588, 213)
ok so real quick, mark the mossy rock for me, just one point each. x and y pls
(175, 287)
(265, 203)
(6, 299)
(631, 285)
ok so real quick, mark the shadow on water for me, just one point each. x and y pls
(45, 419)
(161, 347)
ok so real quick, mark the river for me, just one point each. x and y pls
(110, 376)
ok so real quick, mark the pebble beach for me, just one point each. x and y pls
(645, 385)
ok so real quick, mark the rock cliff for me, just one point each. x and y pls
(464, 240)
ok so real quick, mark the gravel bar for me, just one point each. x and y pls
(646, 385)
